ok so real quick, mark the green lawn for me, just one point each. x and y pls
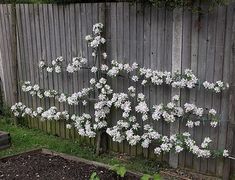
(24, 139)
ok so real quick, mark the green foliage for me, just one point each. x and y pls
(187, 4)
(157, 177)
(94, 176)
(149, 177)
(146, 177)
(169, 4)
(119, 169)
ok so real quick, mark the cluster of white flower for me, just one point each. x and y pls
(83, 125)
(168, 113)
(191, 109)
(142, 106)
(187, 79)
(19, 109)
(117, 68)
(76, 97)
(120, 100)
(76, 65)
(176, 79)
(95, 40)
(32, 89)
(55, 65)
(72, 99)
(102, 107)
(131, 135)
(218, 86)
(180, 142)
(206, 142)
(53, 114)
(115, 131)
(149, 136)
(125, 130)
(203, 152)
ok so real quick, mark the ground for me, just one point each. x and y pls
(24, 139)
(37, 165)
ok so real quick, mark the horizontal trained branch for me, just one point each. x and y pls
(83, 124)
(146, 75)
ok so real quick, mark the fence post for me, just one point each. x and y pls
(14, 54)
(176, 66)
(231, 121)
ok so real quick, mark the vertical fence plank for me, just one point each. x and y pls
(139, 58)
(126, 58)
(113, 55)
(38, 55)
(186, 63)
(218, 74)
(58, 78)
(167, 66)
(7, 19)
(229, 165)
(161, 20)
(201, 74)
(12, 9)
(176, 66)
(146, 58)
(64, 80)
(52, 56)
(153, 65)
(4, 54)
(73, 54)
(225, 95)
(79, 49)
(209, 73)
(132, 49)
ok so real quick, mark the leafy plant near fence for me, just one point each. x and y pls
(188, 4)
(169, 4)
(130, 103)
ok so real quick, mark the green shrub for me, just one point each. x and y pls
(188, 4)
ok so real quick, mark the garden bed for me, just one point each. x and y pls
(45, 164)
(5, 140)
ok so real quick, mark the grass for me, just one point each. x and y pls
(24, 139)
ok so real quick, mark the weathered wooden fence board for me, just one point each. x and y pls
(156, 38)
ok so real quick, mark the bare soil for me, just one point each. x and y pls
(48, 167)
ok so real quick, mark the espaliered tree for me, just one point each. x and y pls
(128, 127)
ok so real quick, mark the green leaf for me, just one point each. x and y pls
(120, 170)
(94, 176)
(157, 177)
(145, 177)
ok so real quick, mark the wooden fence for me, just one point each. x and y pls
(155, 38)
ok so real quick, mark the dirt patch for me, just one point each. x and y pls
(48, 167)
